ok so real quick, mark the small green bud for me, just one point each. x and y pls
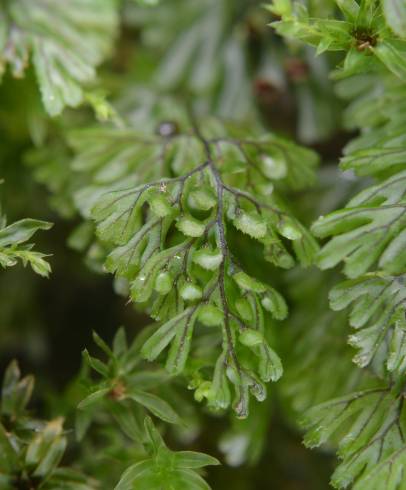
(274, 303)
(190, 292)
(203, 391)
(210, 315)
(160, 205)
(163, 283)
(208, 259)
(248, 283)
(289, 229)
(251, 337)
(244, 308)
(274, 167)
(202, 198)
(251, 224)
(191, 227)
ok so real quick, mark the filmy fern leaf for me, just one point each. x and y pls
(371, 433)
(317, 335)
(66, 41)
(369, 231)
(378, 304)
(378, 110)
(368, 235)
(169, 239)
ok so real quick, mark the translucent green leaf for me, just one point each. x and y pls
(274, 302)
(367, 231)
(13, 247)
(248, 283)
(368, 426)
(190, 292)
(164, 335)
(251, 224)
(274, 167)
(378, 305)
(67, 42)
(208, 259)
(165, 469)
(160, 205)
(250, 337)
(21, 231)
(190, 227)
(211, 315)
(94, 398)
(163, 283)
(16, 391)
(392, 56)
(202, 198)
(350, 8)
(288, 228)
(159, 407)
(191, 459)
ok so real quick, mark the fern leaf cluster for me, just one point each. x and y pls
(367, 236)
(193, 188)
(372, 443)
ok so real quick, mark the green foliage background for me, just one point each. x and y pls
(226, 180)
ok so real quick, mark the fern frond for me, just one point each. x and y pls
(369, 234)
(378, 304)
(66, 41)
(378, 109)
(370, 428)
(369, 231)
(317, 335)
(174, 196)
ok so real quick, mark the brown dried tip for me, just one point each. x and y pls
(364, 39)
(118, 391)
